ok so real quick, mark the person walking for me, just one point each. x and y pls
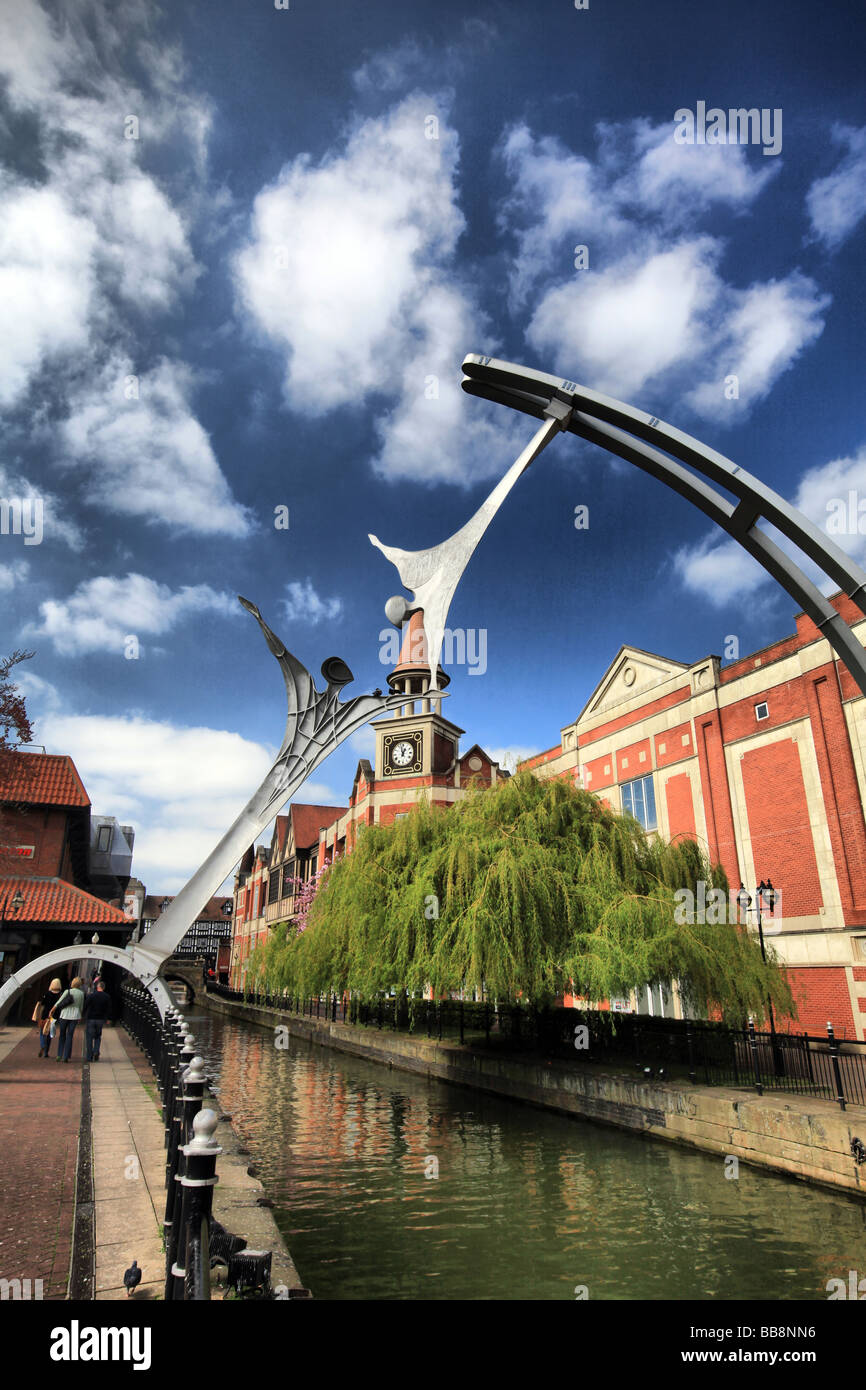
(41, 1016)
(69, 1007)
(97, 1012)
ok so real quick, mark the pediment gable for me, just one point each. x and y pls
(632, 672)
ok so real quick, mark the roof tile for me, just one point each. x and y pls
(42, 779)
(54, 900)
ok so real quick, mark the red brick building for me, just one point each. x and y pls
(46, 850)
(764, 762)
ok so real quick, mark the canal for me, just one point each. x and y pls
(390, 1186)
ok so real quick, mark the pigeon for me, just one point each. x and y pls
(132, 1278)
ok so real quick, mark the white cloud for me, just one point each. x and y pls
(557, 200)
(719, 569)
(838, 202)
(829, 495)
(508, 757)
(149, 456)
(180, 787)
(103, 612)
(100, 222)
(652, 311)
(101, 236)
(13, 573)
(303, 604)
(833, 496)
(350, 275)
(760, 334)
(681, 180)
(390, 69)
(46, 282)
(627, 325)
(55, 525)
(364, 744)
(640, 182)
(143, 246)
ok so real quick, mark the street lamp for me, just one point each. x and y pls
(16, 903)
(765, 897)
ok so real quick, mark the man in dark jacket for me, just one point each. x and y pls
(97, 1010)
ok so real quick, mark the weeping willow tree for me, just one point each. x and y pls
(531, 889)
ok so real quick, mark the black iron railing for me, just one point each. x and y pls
(713, 1054)
(190, 1143)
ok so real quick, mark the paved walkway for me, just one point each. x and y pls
(128, 1173)
(40, 1109)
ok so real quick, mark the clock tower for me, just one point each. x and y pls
(416, 745)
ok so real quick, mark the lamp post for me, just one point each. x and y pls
(765, 896)
(16, 904)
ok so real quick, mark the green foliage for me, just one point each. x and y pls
(527, 887)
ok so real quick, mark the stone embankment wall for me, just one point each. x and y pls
(803, 1137)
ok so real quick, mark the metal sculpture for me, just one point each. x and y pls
(317, 721)
(632, 434)
(433, 574)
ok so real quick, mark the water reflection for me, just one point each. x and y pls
(527, 1205)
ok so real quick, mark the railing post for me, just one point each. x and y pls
(809, 1059)
(487, 1021)
(693, 1076)
(192, 1280)
(753, 1046)
(193, 1090)
(834, 1057)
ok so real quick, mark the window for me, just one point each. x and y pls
(639, 800)
(762, 711)
(103, 839)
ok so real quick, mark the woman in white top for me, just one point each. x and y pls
(69, 1008)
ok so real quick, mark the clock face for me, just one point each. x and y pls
(402, 754)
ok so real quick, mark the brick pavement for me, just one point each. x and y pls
(40, 1107)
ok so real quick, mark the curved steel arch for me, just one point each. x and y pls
(661, 450)
(135, 963)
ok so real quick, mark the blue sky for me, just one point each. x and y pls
(258, 293)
